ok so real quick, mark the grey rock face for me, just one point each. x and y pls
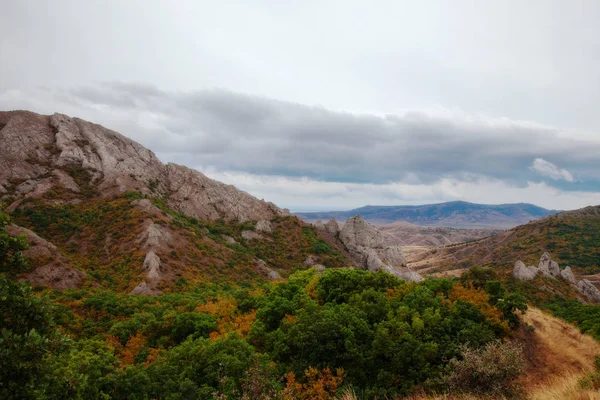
(367, 246)
(567, 273)
(37, 152)
(267, 272)
(588, 289)
(152, 266)
(332, 227)
(520, 271)
(548, 266)
(263, 226)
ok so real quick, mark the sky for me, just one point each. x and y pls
(321, 105)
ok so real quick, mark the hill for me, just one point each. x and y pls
(570, 236)
(454, 214)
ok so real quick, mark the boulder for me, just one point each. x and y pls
(588, 289)
(332, 227)
(251, 235)
(567, 273)
(263, 226)
(548, 266)
(520, 271)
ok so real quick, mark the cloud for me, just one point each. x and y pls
(405, 157)
(304, 194)
(546, 168)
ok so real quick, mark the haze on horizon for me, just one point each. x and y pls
(330, 105)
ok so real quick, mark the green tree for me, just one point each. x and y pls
(12, 261)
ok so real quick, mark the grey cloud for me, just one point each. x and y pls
(237, 132)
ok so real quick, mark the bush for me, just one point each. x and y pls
(492, 370)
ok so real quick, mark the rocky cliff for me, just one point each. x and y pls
(368, 247)
(40, 155)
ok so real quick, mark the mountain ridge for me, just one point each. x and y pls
(454, 214)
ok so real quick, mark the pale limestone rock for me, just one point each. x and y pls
(567, 273)
(319, 225)
(520, 271)
(65, 180)
(588, 289)
(310, 261)
(155, 236)
(332, 227)
(144, 288)
(367, 245)
(548, 266)
(267, 272)
(263, 226)
(147, 206)
(229, 239)
(152, 265)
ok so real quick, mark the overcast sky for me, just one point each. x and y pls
(330, 104)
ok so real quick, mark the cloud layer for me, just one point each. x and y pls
(410, 157)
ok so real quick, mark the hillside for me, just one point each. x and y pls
(571, 237)
(455, 214)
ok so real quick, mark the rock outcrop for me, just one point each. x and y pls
(366, 244)
(551, 269)
(40, 152)
(524, 273)
(588, 289)
(548, 266)
(50, 269)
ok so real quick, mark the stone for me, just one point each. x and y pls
(520, 271)
(267, 272)
(588, 289)
(567, 274)
(152, 264)
(263, 226)
(229, 239)
(310, 261)
(155, 236)
(548, 266)
(332, 227)
(367, 245)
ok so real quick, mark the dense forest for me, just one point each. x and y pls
(306, 337)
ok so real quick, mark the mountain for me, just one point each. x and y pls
(100, 210)
(454, 214)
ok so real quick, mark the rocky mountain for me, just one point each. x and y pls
(100, 210)
(407, 234)
(40, 154)
(455, 214)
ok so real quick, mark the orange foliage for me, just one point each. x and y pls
(320, 385)
(480, 299)
(132, 348)
(153, 356)
(228, 318)
(290, 319)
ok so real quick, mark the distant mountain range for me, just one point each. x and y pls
(454, 214)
